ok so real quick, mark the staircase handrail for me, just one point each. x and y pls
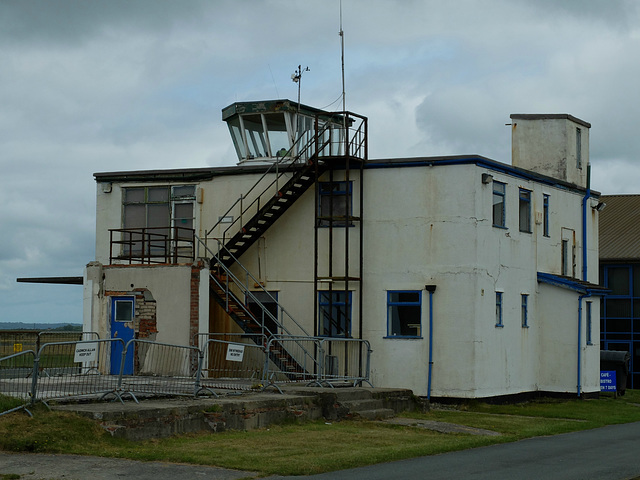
(288, 165)
(245, 287)
(287, 160)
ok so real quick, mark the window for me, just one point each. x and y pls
(123, 310)
(499, 213)
(588, 332)
(499, 309)
(525, 310)
(334, 313)
(568, 252)
(578, 148)
(334, 203)
(404, 310)
(525, 210)
(157, 208)
(545, 215)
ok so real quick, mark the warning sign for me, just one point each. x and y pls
(17, 347)
(235, 353)
(86, 352)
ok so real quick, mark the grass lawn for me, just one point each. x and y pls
(319, 447)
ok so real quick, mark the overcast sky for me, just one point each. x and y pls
(89, 86)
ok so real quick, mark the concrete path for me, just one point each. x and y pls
(609, 453)
(75, 467)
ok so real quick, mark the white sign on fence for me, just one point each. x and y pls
(235, 353)
(86, 352)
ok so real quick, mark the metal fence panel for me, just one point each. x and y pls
(345, 360)
(16, 341)
(161, 369)
(74, 369)
(236, 363)
(15, 375)
(294, 359)
(54, 336)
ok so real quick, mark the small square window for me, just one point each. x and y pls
(404, 310)
(123, 310)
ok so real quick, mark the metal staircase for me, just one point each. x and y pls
(333, 145)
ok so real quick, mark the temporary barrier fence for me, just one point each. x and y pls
(15, 378)
(161, 369)
(16, 341)
(236, 362)
(346, 360)
(75, 369)
(292, 359)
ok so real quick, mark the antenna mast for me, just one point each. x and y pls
(296, 77)
(344, 101)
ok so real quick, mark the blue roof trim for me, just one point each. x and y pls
(581, 287)
(479, 161)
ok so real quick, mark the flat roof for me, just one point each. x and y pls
(549, 116)
(207, 173)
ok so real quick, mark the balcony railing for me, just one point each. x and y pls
(157, 245)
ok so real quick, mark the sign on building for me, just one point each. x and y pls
(86, 352)
(235, 353)
(608, 381)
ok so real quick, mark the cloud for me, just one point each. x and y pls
(130, 85)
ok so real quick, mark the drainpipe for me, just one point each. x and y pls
(585, 202)
(430, 289)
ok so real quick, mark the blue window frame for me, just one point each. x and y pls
(499, 309)
(335, 204)
(524, 206)
(545, 215)
(525, 310)
(334, 308)
(404, 312)
(499, 204)
(589, 324)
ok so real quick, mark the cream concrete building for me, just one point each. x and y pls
(469, 277)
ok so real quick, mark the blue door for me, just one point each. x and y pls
(122, 314)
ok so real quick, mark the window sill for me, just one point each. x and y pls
(403, 337)
(500, 227)
(499, 326)
(526, 231)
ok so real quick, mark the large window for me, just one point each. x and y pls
(404, 310)
(158, 208)
(334, 308)
(334, 203)
(525, 210)
(499, 213)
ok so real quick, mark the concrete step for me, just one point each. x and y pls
(376, 414)
(349, 394)
(359, 405)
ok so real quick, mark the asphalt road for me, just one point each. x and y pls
(609, 453)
